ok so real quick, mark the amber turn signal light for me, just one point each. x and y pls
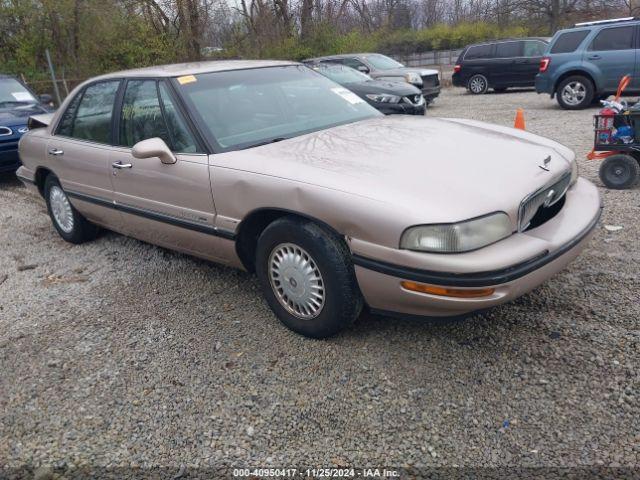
(447, 292)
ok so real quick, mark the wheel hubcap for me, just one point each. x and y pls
(619, 174)
(61, 209)
(296, 280)
(477, 85)
(574, 93)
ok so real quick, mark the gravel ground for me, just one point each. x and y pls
(119, 353)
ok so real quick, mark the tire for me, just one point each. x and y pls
(575, 93)
(478, 84)
(500, 90)
(620, 171)
(289, 246)
(69, 223)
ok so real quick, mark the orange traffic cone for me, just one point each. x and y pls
(519, 123)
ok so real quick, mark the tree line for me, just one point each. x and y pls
(87, 37)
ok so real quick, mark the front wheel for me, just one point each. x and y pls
(307, 277)
(620, 171)
(575, 93)
(69, 223)
(478, 84)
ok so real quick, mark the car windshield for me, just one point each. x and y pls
(13, 92)
(382, 62)
(246, 108)
(342, 74)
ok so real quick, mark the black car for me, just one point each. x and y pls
(387, 97)
(17, 104)
(499, 64)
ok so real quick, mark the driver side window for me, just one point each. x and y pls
(141, 116)
(148, 111)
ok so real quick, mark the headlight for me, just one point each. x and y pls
(457, 237)
(574, 171)
(413, 77)
(383, 97)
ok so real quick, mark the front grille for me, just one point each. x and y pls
(544, 198)
(413, 99)
(430, 80)
(5, 131)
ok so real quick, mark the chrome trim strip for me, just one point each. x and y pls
(151, 215)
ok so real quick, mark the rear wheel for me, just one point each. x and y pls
(307, 277)
(69, 223)
(620, 171)
(575, 93)
(478, 84)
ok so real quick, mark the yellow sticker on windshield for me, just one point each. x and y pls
(187, 79)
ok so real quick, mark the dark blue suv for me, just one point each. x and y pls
(585, 64)
(17, 104)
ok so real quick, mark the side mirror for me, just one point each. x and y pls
(45, 98)
(154, 147)
(363, 69)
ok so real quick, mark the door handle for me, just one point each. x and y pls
(120, 165)
(594, 57)
(56, 152)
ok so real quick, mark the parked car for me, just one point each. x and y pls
(387, 97)
(271, 167)
(585, 64)
(499, 65)
(17, 104)
(382, 67)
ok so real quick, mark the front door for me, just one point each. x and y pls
(532, 53)
(612, 52)
(166, 204)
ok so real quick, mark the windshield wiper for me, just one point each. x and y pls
(266, 142)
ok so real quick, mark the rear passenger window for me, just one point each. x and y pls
(477, 52)
(568, 42)
(533, 48)
(91, 118)
(619, 38)
(508, 49)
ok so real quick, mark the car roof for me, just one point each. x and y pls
(194, 68)
(510, 39)
(341, 55)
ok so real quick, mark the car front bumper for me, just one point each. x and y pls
(401, 108)
(511, 267)
(430, 93)
(9, 159)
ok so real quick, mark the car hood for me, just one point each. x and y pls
(18, 115)
(399, 72)
(432, 170)
(382, 86)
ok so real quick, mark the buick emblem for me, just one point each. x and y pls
(549, 198)
(545, 162)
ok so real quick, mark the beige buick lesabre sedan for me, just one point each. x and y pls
(271, 167)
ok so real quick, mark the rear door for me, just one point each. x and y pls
(78, 151)
(507, 70)
(166, 204)
(612, 52)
